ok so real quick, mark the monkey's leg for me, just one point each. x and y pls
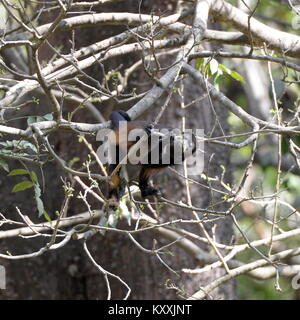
(116, 188)
(146, 189)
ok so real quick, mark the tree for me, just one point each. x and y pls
(66, 65)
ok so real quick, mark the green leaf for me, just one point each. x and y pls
(47, 217)
(225, 69)
(31, 120)
(22, 186)
(214, 66)
(37, 190)
(34, 177)
(17, 146)
(17, 172)
(48, 116)
(39, 203)
(237, 76)
(232, 74)
(199, 63)
(4, 165)
(40, 206)
(217, 82)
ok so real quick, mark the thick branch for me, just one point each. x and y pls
(283, 42)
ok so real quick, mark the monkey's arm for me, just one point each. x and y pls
(122, 126)
(146, 172)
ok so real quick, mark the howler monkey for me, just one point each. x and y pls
(161, 146)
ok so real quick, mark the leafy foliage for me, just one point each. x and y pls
(4, 165)
(212, 68)
(17, 147)
(28, 184)
(34, 119)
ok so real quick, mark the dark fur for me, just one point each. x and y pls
(117, 188)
